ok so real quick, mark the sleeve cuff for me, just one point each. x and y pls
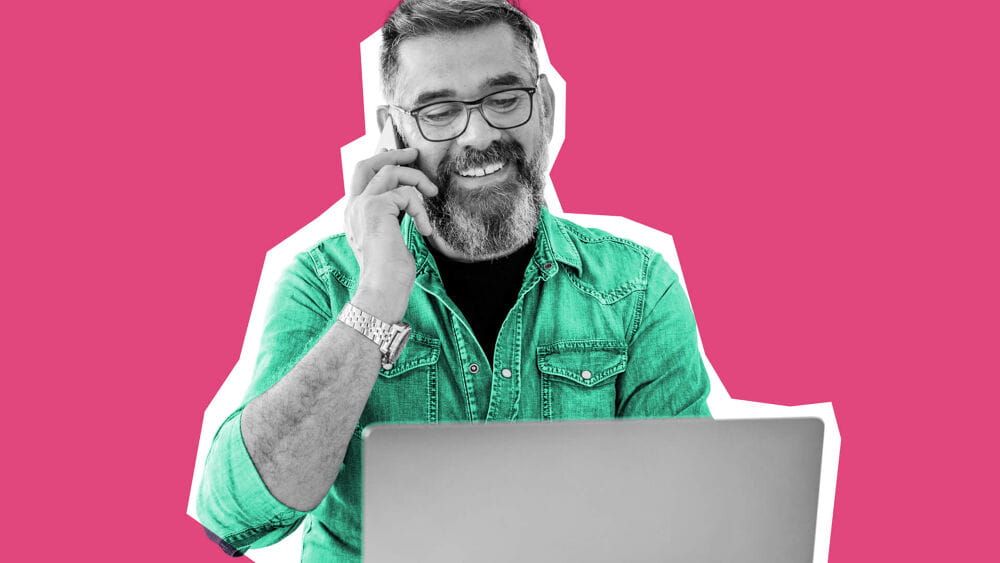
(234, 504)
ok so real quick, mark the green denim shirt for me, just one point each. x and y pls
(601, 328)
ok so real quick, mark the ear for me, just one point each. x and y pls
(548, 105)
(382, 115)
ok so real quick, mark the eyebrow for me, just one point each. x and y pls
(505, 79)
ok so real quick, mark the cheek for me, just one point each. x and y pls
(530, 138)
(431, 155)
(408, 134)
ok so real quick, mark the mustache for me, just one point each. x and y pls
(507, 151)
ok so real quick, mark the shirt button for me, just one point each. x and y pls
(505, 372)
(546, 265)
(586, 374)
(474, 368)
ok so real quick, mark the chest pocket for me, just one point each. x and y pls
(578, 378)
(408, 392)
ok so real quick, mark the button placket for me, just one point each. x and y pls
(506, 389)
(467, 374)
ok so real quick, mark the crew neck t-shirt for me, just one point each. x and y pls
(484, 291)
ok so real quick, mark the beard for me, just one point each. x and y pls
(492, 220)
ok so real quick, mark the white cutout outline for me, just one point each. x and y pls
(331, 221)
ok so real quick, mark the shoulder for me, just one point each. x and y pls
(609, 260)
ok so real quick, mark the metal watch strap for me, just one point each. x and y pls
(372, 328)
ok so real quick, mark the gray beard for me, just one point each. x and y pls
(492, 221)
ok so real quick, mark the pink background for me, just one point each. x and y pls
(828, 171)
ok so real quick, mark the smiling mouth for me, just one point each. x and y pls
(476, 171)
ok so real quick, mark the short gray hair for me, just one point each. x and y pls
(416, 18)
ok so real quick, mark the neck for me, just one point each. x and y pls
(446, 249)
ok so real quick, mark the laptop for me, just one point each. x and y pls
(686, 490)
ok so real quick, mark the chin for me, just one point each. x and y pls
(488, 221)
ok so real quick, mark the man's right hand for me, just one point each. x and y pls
(383, 187)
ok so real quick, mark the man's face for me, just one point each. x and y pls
(490, 180)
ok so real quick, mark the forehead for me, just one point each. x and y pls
(460, 64)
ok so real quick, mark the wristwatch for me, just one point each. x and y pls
(390, 338)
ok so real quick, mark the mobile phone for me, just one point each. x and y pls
(389, 139)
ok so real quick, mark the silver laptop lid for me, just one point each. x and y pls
(692, 490)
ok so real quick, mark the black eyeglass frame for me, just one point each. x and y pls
(473, 105)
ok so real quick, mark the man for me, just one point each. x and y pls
(512, 314)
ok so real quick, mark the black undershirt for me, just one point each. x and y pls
(485, 291)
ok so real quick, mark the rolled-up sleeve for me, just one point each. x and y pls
(665, 375)
(234, 504)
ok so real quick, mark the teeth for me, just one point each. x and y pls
(476, 172)
(494, 167)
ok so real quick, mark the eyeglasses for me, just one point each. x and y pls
(444, 121)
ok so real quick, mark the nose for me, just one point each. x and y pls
(479, 134)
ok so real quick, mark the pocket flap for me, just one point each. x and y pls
(585, 362)
(419, 351)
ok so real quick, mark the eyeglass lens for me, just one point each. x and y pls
(447, 120)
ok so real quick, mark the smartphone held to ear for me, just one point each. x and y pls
(389, 139)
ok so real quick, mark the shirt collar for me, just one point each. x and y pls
(553, 246)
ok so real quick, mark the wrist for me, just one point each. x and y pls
(389, 338)
(383, 301)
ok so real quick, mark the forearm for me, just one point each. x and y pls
(298, 431)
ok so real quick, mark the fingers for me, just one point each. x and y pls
(369, 211)
(392, 176)
(408, 199)
(366, 170)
